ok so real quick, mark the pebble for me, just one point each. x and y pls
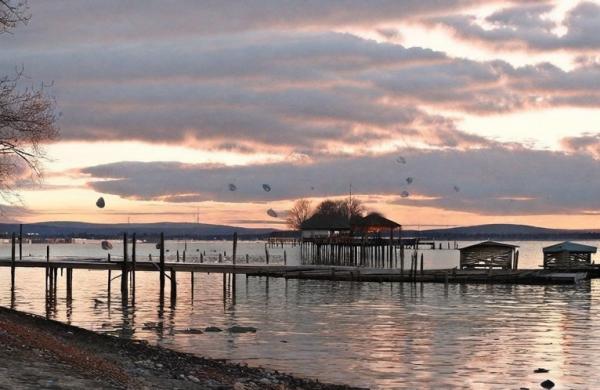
(547, 384)
(541, 371)
(239, 386)
(242, 329)
(193, 379)
(213, 329)
(159, 365)
(265, 381)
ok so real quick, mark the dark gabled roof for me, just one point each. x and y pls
(376, 220)
(325, 222)
(569, 246)
(490, 244)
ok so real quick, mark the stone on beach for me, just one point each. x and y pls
(242, 329)
(547, 384)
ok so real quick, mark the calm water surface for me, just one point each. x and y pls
(380, 335)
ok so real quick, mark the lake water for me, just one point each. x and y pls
(378, 335)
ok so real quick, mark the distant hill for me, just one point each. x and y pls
(143, 230)
(61, 229)
(503, 231)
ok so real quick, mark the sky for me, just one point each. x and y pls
(435, 113)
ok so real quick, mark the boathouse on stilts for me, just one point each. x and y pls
(371, 241)
(568, 255)
(488, 255)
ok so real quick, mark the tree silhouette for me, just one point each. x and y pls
(27, 118)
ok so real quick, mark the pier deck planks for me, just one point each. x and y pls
(522, 276)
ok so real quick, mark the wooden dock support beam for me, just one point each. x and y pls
(69, 281)
(133, 260)
(124, 269)
(192, 284)
(162, 266)
(12, 263)
(47, 266)
(266, 254)
(233, 259)
(20, 241)
(173, 285)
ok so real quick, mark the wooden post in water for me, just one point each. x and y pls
(516, 260)
(401, 259)
(162, 266)
(47, 265)
(192, 285)
(390, 252)
(412, 266)
(133, 261)
(12, 263)
(173, 285)
(21, 241)
(284, 258)
(183, 259)
(247, 259)
(421, 264)
(69, 284)
(124, 269)
(109, 279)
(178, 255)
(235, 239)
(55, 284)
(266, 254)
(233, 260)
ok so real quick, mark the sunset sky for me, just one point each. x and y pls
(489, 109)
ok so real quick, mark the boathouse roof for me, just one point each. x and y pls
(569, 246)
(487, 244)
(338, 222)
(326, 222)
(376, 221)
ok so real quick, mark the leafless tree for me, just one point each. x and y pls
(12, 12)
(346, 208)
(299, 213)
(27, 115)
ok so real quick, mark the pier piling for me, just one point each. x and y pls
(233, 260)
(162, 267)
(124, 268)
(133, 260)
(12, 263)
(173, 285)
(20, 241)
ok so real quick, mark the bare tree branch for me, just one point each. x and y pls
(12, 12)
(299, 213)
(27, 116)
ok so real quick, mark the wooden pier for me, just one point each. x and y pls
(126, 267)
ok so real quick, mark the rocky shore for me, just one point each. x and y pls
(40, 353)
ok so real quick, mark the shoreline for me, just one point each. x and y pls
(39, 353)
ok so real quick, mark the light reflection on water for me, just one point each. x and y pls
(370, 334)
